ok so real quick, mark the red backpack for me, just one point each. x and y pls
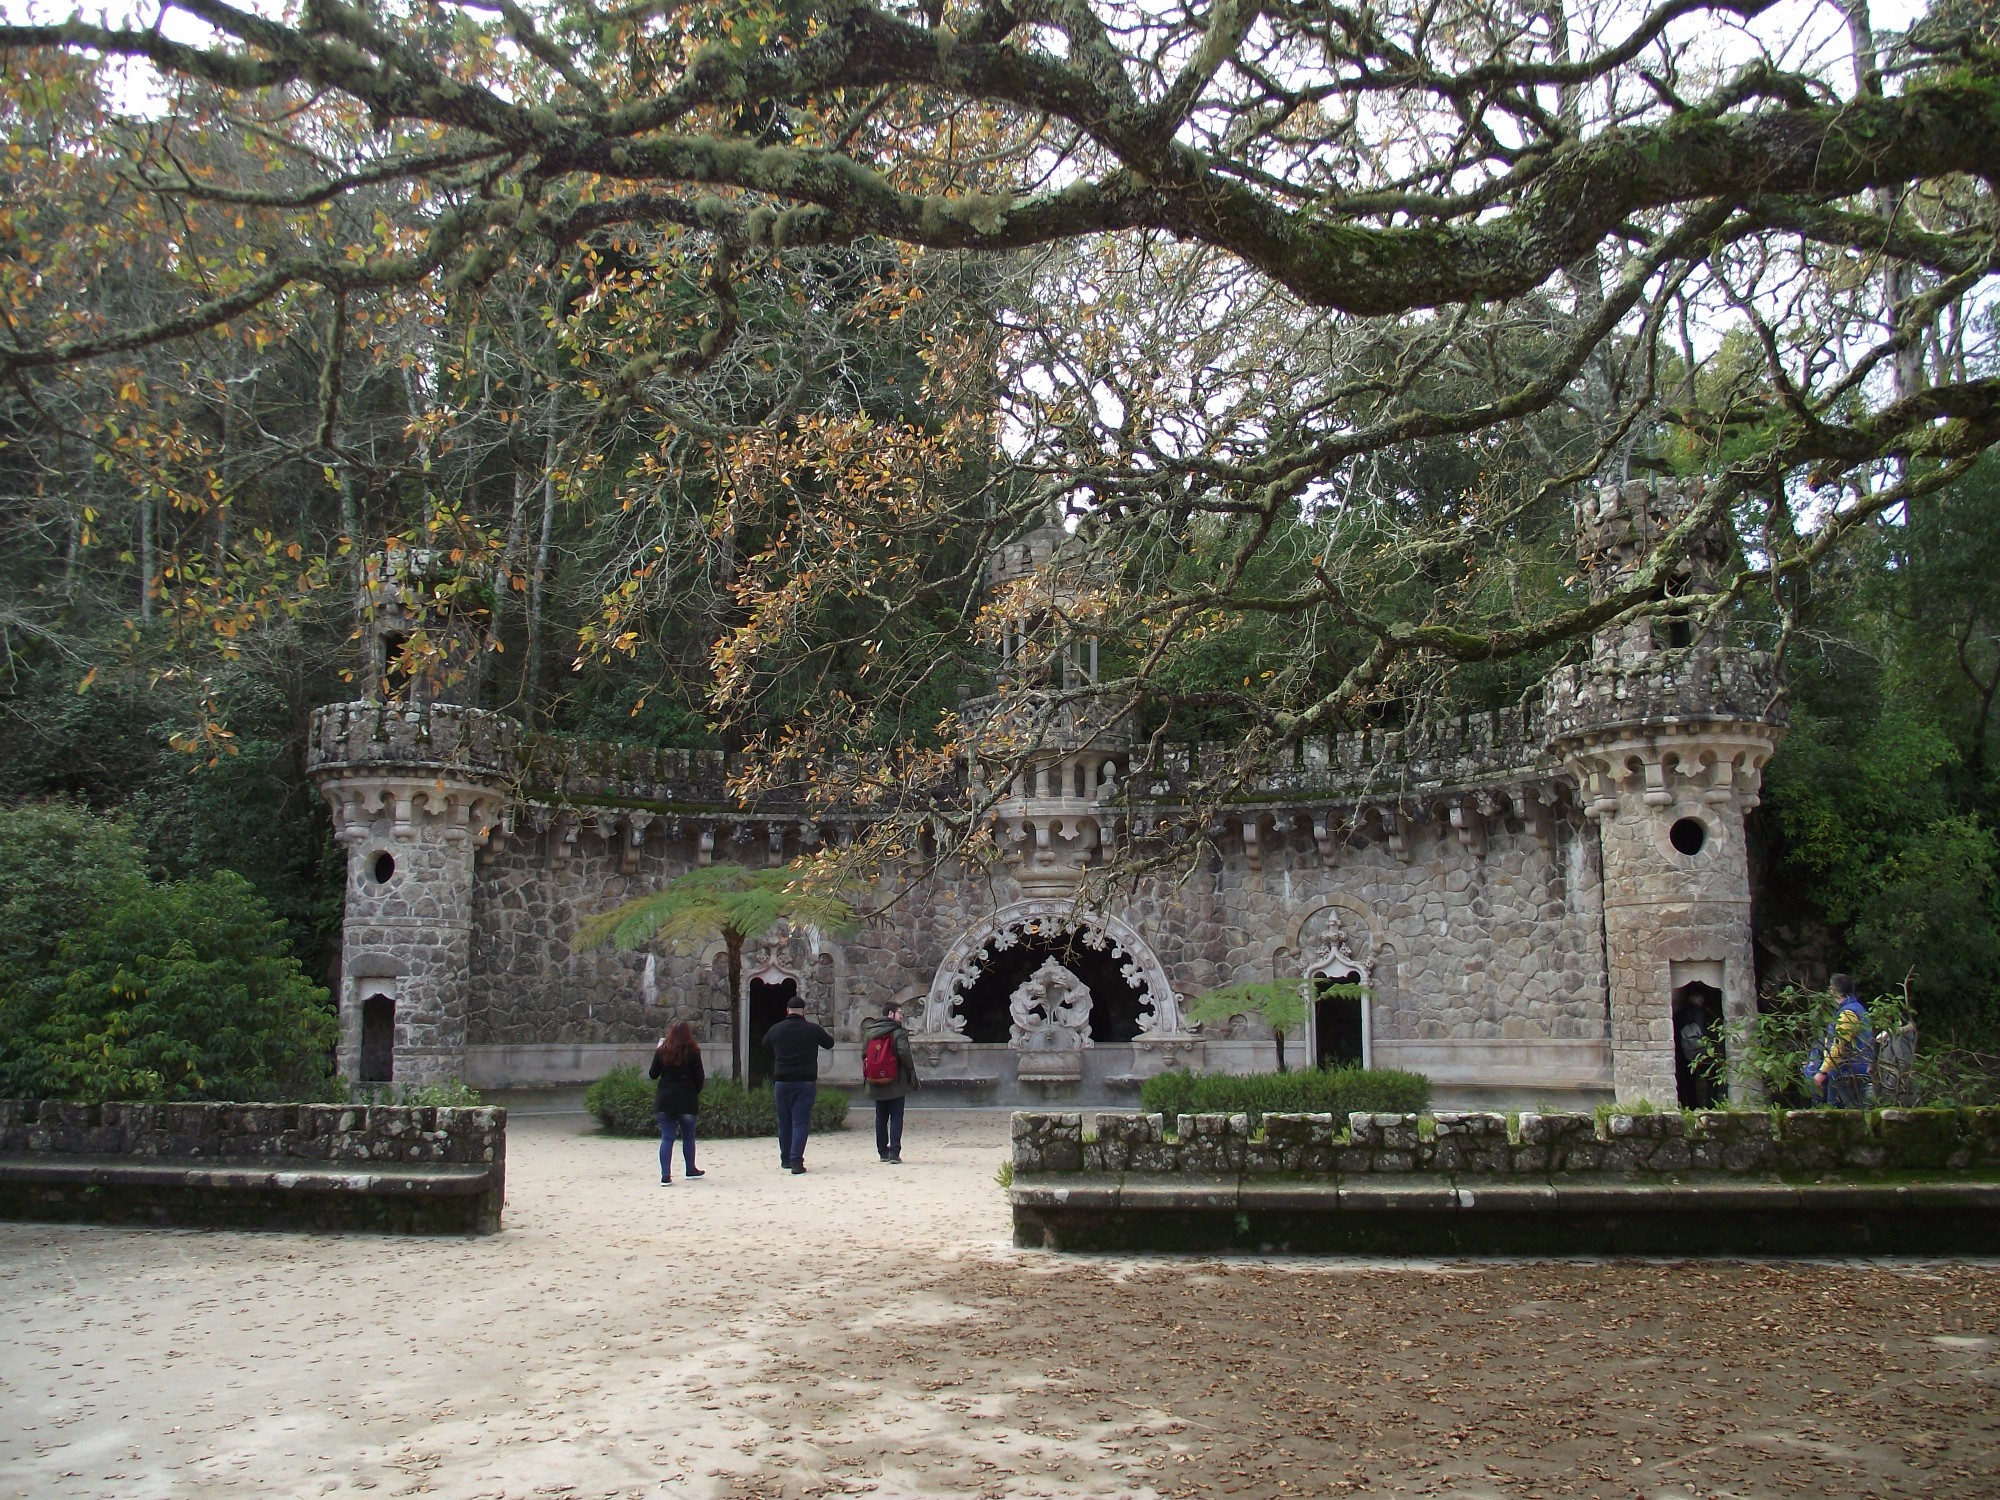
(878, 1059)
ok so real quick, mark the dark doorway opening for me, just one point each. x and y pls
(767, 1009)
(378, 1039)
(1337, 1029)
(395, 664)
(1116, 1003)
(1698, 1046)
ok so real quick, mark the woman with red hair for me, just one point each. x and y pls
(677, 1096)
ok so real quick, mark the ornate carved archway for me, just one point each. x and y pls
(1331, 940)
(1096, 930)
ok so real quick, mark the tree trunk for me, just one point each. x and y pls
(146, 558)
(536, 579)
(1278, 1035)
(739, 1050)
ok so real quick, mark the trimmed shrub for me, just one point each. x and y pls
(622, 1100)
(1336, 1091)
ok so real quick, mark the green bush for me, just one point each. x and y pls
(1335, 1091)
(115, 987)
(622, 1100)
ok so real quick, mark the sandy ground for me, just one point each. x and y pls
(868, 1330)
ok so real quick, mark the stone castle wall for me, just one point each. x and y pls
(1522, 891)
(1483, 959)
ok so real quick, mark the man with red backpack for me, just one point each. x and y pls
(888, 1072)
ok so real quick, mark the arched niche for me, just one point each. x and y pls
(1100, 932)
(1334, 941)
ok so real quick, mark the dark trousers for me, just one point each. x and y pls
(889, 1127)
(1848, 1092)
(669, 1125)
(795, 1108)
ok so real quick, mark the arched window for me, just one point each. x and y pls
(378, 1039)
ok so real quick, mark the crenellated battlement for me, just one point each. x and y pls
(439, 737)
(1470, 750)
(1696, 685)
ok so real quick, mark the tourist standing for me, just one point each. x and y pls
(1842, 1069)
(795, 1044)
(679, 1078)
(888, 1072)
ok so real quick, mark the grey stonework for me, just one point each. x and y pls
(1505, 885)
(321, 1167)
(1793, 1144)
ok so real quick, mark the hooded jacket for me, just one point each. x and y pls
(906, 1062)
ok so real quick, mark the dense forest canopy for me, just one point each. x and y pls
(722, 341)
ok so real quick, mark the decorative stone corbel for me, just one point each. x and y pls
(1398, 837)
(704, 846)
(1657, 794)
(636, 824)
(1470, 826)
(1326, 836)
(1721, 788)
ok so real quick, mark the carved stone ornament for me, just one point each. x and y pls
(1337, 959)
(777, 955)
(1160, 1008)
(1050, 1011)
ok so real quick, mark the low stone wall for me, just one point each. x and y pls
(388, 1168)
(1820, 1181)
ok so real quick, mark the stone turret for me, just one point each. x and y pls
(424, 628)
(1666, 733)
(1053, 745)
(417, 782)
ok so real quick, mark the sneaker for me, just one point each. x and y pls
(895, 1161)
(694, 1172)
(666, 1182)
(798, 1169)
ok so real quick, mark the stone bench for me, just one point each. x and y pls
(1780, 1183)
(1421, 1216)
(382, 1169)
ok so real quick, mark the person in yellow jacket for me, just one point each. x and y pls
(1842, 1067)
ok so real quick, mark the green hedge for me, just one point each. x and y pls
(622, 1100)
(1335, 1091)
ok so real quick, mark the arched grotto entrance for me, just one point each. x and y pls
(1118, 1002)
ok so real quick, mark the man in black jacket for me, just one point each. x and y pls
(795, 1044)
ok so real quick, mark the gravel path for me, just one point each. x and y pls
(868, 1330)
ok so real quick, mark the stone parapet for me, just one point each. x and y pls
(1813, 1183)
(400, 1169)
(1004, 725)
(1467, 750)
(1696, 685)
(368, 737)
(1448, 1145)
(406, 1135)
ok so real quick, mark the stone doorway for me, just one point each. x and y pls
(764, 1002)
(378, 1040)
(1340, 1032)
(1698, 1037)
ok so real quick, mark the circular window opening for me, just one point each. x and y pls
(1687, 835)
(383, 868)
